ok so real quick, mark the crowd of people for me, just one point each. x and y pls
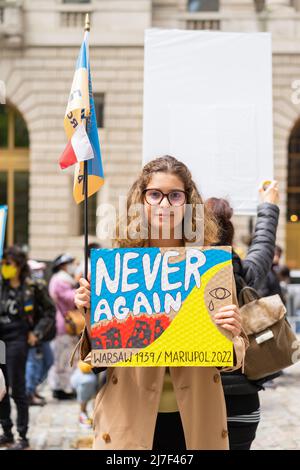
(34, 316)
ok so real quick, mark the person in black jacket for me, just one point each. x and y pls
(40, 357)
(26, 315)
(241, 395)
(271, 284)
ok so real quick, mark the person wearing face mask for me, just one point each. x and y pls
(62, 290)
(26, 314)
(40, 356)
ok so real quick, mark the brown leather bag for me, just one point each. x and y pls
(273, 344)
(74, 322)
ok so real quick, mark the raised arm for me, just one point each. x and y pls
(259, 258)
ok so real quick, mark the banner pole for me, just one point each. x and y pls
(85, 190)
(86, 220)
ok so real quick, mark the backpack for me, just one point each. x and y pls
(240, 285)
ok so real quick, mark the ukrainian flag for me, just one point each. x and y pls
(81, 109)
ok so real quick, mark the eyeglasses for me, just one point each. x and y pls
(154, 197)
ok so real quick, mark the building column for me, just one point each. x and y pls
(238, 15)
(237, 6)
(279, 6)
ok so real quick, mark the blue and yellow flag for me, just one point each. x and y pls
(80, 110)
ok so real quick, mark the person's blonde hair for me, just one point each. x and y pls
(168, 164)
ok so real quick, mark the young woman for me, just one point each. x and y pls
(26, 315)
(160, 408)
(241, 395)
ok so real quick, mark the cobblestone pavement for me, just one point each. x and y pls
(55, 426)
(280, 413)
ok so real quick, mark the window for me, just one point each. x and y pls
(293, 197)
(203, 5)
(21, 202)
(21, 137)
(3, 126)
(14, 173)
(99, 107)
(13, 129)
(76, 1)
(259, 5)
(3, 186)
(293, 200)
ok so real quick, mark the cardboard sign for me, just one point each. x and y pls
(156, 306)
(3, 216)
(208, 102)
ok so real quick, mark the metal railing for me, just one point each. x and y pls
(203, 24)
(201, 20)
(73, 15)
(72, 19)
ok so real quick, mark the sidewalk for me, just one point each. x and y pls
(55, 426)
(280, 410)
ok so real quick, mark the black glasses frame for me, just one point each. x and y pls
(163, 195)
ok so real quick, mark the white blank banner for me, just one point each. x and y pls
(208, 102)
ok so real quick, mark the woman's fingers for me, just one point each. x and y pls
(82, 304)
(227, 314)
(270, 193)
(83, 298)
(84, 283)
(228, 308)
(227, 317)
(230, 324)
(83, 295)
(230, 319)
(83, 290)
(235, 331)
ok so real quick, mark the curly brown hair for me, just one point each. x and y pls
(168, 164)
(223, 212)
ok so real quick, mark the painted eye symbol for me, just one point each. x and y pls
(220, 293)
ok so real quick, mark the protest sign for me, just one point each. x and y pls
(3, 216)
(208, 102)
(156, 306)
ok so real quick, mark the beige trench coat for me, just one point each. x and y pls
(126, 407)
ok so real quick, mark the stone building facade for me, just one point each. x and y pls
(39, 42)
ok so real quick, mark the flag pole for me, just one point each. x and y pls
(85, 190)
